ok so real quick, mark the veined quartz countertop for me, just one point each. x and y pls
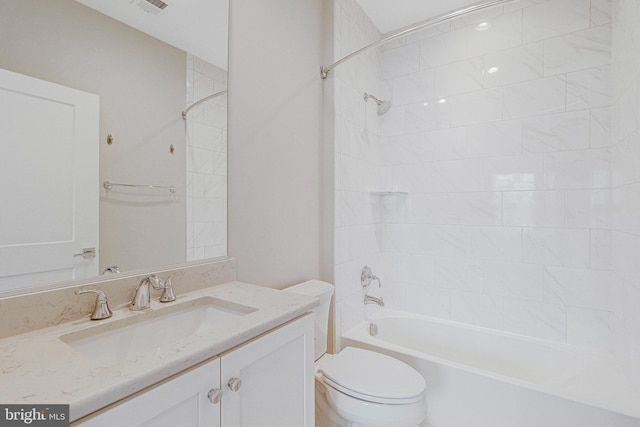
(39, 368)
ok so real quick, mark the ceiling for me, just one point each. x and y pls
(388, 15)
(199, 27)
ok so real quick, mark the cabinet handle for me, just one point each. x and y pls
(234, 384)
(214, 395)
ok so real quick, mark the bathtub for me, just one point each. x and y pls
(479, 377)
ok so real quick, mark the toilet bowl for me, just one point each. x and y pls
(357, 387)
(369, 389)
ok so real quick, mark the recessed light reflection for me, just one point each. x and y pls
(493, 70)
(483, 26)
(439, 101)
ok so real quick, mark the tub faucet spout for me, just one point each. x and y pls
(368, 299)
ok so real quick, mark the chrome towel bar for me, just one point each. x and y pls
(109, 185)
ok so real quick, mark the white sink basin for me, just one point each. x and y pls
(152, 332)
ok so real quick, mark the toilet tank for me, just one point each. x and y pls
(322, 291)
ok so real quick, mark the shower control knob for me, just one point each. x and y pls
(234, 384)
(214, 395)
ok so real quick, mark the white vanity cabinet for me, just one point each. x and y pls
(265, 382)
(273, 379)
(181, 401)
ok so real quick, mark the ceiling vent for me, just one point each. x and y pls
(152, 6)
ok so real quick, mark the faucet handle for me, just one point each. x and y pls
(366, 277)
(168, 295)
(101, 309)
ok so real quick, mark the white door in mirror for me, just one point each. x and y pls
(48, 179)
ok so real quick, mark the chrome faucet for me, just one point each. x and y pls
(368, 299)
(101, 309)
(366, 277)
(142, 298)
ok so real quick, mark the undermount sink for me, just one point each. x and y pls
(151, 332)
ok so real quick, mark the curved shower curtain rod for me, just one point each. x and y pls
(324, 71)
(206, 98)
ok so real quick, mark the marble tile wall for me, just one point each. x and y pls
(206, 126)
(357, 134)
(500, 133)
(625, 238)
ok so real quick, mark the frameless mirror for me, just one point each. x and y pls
(158, 172)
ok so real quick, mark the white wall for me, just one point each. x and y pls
(275, 140)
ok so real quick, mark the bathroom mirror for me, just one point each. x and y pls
(147, 61)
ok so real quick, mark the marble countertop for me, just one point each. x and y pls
(38, 367)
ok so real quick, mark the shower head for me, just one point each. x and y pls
(383, 106)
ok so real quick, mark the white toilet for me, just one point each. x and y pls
(357, 387)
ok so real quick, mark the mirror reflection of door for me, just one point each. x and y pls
(136, 65)
(48, 146)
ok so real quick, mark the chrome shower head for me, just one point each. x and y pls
(383, 106)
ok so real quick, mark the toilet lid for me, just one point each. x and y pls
(373, 377)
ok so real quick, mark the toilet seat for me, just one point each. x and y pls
(373, 377)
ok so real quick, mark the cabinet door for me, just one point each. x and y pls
(182, 401)
(273, 379)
